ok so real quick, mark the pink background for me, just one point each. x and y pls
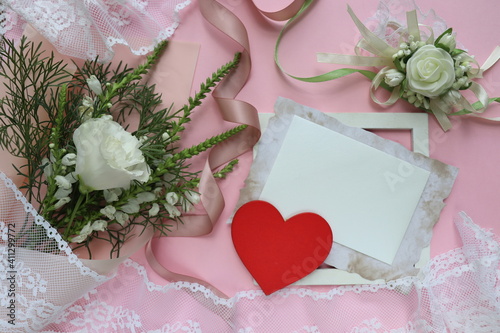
(472, 144)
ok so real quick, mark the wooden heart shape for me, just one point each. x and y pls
(278, 252)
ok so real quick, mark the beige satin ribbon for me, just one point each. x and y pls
(282, 14)
(232, 110)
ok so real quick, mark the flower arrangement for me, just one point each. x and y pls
(429, 73)
(92, 171)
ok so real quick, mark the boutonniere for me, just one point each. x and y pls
(430, 73)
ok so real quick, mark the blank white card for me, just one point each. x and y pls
(366, 195)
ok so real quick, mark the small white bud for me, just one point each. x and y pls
(155, 208)
(69, 159)
(108, 211)
(62, 182)
(99, 225)
(94, 84)
(131, 207)
(121, 218)
(61, 202)
(172, 198)
(145, 197)
(172, 210)
(47, 170)
(112, 195)
(61, 193)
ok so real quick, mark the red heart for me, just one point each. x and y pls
(278, 252)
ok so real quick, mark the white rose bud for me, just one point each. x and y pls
(449, 41)
(430, 71)
(393, 77)
(107, 155)
(94, 84)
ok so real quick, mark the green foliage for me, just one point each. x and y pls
(43, 106)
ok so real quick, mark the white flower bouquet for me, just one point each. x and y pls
(91, 171)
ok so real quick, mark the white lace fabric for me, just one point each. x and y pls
(90, 28)
(458, 291)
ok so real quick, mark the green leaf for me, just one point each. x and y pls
(456, 52)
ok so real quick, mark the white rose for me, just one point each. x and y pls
(107, 155)
(430, 71)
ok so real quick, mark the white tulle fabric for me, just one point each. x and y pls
(390, 19)
(89, 28)
(458, 291)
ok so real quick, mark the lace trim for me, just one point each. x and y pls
(98, 24)
(435, 273)
(51, 232)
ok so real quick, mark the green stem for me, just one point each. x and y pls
(72, 217)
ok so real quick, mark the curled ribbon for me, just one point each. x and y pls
(383, 57)
(232, 110)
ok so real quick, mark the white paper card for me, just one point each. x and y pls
(367, 195)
